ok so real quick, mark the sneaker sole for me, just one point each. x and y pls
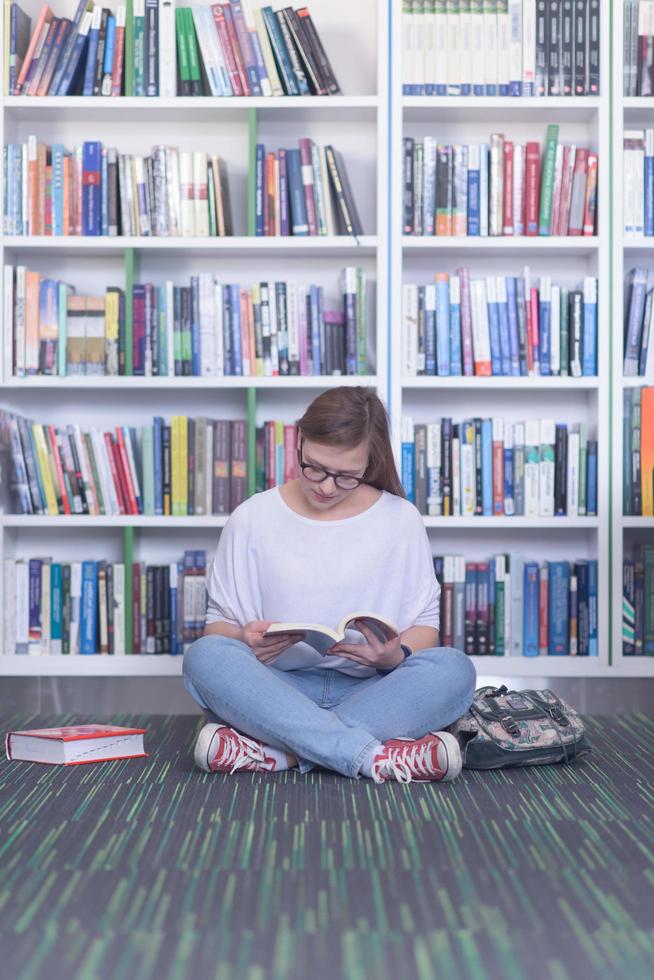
(454, 758)
(202, 745)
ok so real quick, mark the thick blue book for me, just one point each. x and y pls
(591, 478)
(589, 330)
(56, 608)
(68, 48)
(558, 608)
(260, 156)
(109, 46)
(592, 608)
(493, 326)
(299, 220)
(92, 54)
(314, 325)
(442, 325)
(408, 464)
(530, 619)
(512, 310)
(74, 69)
(237, 340)
(487, 466)
(456, 356)
(91, 188)
(89, 608)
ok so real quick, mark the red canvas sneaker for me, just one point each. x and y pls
(219, 748)
(435, 756)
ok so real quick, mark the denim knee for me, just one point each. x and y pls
(460, 670)
(207, 651)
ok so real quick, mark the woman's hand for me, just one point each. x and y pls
(373, 653)
(266, 648)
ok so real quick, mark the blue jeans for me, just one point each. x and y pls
(325, 717)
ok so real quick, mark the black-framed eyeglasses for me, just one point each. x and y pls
(316, 474)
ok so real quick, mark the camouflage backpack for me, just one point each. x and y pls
(518, 728)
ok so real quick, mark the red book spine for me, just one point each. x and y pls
(114, 472)
(124, 466)
(498, 477)
(590, 204)
(508, 188)
(236, 48)
(307, 183)
(117, 67)
(228, 53)
(291, 468)
(532, 185)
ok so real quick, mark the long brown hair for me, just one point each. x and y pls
(348, 416)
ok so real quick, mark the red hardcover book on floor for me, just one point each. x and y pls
(75, 744)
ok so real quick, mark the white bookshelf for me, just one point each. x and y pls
(628, 113)
(367, 123)
(416, 259)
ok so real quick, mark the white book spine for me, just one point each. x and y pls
(466, 70)
(268, 57)
(504, 49)
(104, 474)
(478, 52)
(456, 474)
(201, 193)
(207, 326)
(490, 47)
(483, 190)
(410, 332)
(167, 50)
(638, 186)
(431, 60)
(293, 323)
(419, 50)
(532, 469)
(453, 53)
(515, 46)
(467, 471)
(22, 607)
(75, 605)
(173, 190)
(572, 482)
(434, 464)
(20, 352)
(547, 467)
(480, 328)
(8, 320)
(10, 598)
(187, 193)
(528, 46)
(119, 609)
(496, 184)
(555, 331)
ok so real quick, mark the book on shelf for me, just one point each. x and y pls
(491, 467)
(73, 745)
(638, 452)
(638, 335)
(184, 467)
(275, 454)
(79, 607)
(303, 191)
(509, 606)
(518, 48)
(322, 637)
(499, 326)
(638, 602)
(638, 48)
(207, 328)
(158, 48)
(95, 190)
(499, 188)
(638, 182)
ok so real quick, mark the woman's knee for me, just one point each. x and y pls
(457, 665)
(209, 650)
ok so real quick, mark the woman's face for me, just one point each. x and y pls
(346, 462)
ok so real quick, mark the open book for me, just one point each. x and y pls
(321, 637)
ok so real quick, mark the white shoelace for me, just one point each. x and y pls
(401, 763)
(239, 751)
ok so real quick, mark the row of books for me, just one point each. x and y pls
(509, 606)
(638, 46)
(304, 192)
(188, 466)
(153, 47)
(501, 188)
(638, 452)
(494, 468)
(276, 454)
(638, 603)
(638, 334)
(71, 608)
(499, 325)
(94, 190)
(638, 182)
(501, 47)
(204, 329)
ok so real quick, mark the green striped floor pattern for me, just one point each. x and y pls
(149, 868)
